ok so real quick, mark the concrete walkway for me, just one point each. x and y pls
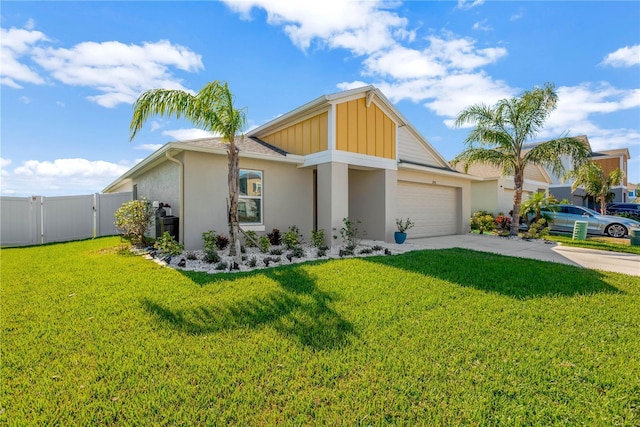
(535, 249)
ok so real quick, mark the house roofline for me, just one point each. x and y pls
(403, 164)
(176, 147)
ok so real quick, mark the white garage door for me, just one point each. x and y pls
(433, 208)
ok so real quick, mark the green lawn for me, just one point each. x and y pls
(91, 337)
(601, 243)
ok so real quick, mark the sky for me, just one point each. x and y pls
(72, 70)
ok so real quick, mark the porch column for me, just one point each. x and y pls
(390, 203)
(333, 199)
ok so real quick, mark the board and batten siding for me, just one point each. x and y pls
(409, 148)
(533, 173)
(365, 130)
(305, 137)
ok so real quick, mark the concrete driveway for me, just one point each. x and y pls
(535, 249)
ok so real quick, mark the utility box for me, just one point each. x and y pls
(169, 224)
(634, 237)
(580, 230)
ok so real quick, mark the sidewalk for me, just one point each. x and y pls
(535, 249)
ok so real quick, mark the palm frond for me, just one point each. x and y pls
(483, 155)
(550, 153)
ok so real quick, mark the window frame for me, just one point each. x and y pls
(256, 226)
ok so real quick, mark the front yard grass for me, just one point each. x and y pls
(92, 336)
(601, 243)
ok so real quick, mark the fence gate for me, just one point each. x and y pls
(37, 219)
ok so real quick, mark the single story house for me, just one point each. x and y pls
(494, 192)
(350, 154)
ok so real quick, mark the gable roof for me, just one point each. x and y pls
(324, 102)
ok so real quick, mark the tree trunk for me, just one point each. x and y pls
(603, 205)
(517, 200)
(234, 185)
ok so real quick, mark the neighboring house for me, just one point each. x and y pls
(494, 192)
(350, 154)
(608, 160)
(633, 191)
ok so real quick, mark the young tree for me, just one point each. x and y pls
(212, 110)
(501, 132)
(534, 206)
(591, 177)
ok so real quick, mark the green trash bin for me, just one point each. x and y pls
(580, 230)
(634, 237)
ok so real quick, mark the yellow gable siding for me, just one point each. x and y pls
(305, 137)
(365, 130)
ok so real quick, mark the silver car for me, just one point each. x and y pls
(564, 217)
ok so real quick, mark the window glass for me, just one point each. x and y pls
(250, 197)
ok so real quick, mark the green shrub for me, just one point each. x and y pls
(209, 238)
(222, 265)
(275, 251)
(537, 230)
(483, 221)
(251, 239)
(132, 219)
(191, 255)
(211, 254)
(265, 244)
(297, 252)
(292, 238)
(317, 238)
(167, 244)
(403, 226)
(350, 233)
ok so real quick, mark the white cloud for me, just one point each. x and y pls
(186, 134)
(466, 5)
(362, 27)
(627, 56)
(60, 168)
(14, 44)
(25, 100)
(516, 16)
(116, 71)
(482, 26)
(461, 53)
(148, 147)
(119, 71)
(59, 177)
(3, 164)
(403, 63)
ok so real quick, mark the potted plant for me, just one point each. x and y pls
(401, 235)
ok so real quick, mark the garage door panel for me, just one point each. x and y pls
(433, 208)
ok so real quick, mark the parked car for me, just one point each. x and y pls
(563, 218)
(632, 209)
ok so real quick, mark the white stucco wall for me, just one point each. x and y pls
(160, 184)
(287, 196)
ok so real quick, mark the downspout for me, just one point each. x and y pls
(180, 194)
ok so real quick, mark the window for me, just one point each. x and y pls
(250, 197)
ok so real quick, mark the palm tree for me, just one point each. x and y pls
(212, 110)
(591, 177)
(534, 206)
(501, 132)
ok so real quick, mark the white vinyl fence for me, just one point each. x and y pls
(38, 219)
